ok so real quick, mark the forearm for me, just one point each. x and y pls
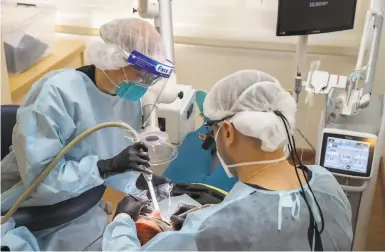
(120, 235)
(67, 179)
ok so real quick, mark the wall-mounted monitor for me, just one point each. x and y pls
(304, 17)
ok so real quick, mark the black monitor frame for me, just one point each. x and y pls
(311, 31)
(345, 172)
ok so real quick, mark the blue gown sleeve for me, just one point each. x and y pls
(18, 239)
(121, 235)
(42, 130)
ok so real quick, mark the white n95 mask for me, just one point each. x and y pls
(225, 167)
(232, 172)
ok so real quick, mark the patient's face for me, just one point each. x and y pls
(148, 226)
(150, 221)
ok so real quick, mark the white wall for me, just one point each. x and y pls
(203, 66)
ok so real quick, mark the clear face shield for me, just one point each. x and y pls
(146, 79)
(149, 72)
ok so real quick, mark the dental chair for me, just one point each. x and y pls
(194, 164)
(8, 121)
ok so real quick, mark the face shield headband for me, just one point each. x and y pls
(150, 70)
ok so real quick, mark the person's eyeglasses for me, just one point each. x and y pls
(209, 139)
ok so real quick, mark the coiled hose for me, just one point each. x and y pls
(59, 156)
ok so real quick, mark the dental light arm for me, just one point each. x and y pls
(377, 17)
(161, 12)
(357, 99)
(161, 92)
(61, 154)
(166, 27)
(150, 118)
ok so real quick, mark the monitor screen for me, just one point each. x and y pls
(345, 154)
(302, 17)
(349, 155)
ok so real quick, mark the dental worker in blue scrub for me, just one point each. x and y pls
(65, 103)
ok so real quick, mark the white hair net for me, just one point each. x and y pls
(121, 37)
(251, 97)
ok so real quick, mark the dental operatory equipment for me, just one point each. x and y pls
(351, 148)
(160, 150)
(301, 52)
(161, 12)
(352, 127)
(172, 111)
(345, 89)
(304, 18)
(61, 154)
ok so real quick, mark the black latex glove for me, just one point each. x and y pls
(146, 210)
(131, 206)
(130, 159)
(141, 182)
(178, 221)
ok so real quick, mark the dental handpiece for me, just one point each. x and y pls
(152, 191)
